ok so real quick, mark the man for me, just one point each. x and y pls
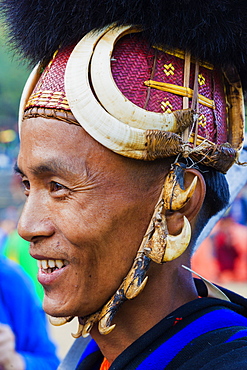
(123, 138)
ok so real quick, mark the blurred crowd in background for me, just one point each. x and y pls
(222, 256)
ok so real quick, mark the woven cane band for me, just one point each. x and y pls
(59, 114)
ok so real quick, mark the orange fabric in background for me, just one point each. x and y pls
(204, 261)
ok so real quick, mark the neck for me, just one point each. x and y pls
(169, 286)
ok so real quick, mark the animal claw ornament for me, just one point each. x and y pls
(135, 288)
(156, 245)
(86, 324)
(163, 247)
(177, 244)
(79, 332)
(58, 321)
(131, 286)
(175, 194)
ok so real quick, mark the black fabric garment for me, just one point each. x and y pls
(207, 333)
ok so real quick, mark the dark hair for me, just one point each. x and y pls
(215, 31)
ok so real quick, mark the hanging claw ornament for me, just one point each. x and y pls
(79, 332)
(175, 194)
(176, 245)
(161, 246)
(131, 286)
(59, 321)
(86, 324)
(156, 245)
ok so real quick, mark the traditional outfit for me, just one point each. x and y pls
(207, 333)
(148, 80)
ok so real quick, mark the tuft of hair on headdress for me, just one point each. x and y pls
(212, 30)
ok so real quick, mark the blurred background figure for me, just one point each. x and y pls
(24, 339)
(222, 256)
(226, 248)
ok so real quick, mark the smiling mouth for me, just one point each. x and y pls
(49, 266)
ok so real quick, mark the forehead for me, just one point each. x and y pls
(66, 149)
(71, 150)
(42, 134)
(49, 140)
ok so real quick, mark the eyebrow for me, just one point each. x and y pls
(17, 169)
(48, 167)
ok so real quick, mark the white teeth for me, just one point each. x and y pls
(59, 263)
(51, 263)
(44, 264)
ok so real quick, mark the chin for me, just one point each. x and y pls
(56, 308)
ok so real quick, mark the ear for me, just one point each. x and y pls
(175, 219)
(191, 209)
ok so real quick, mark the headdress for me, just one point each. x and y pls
(147, 79)
(189, 55)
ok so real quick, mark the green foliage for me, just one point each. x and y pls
(13, 74)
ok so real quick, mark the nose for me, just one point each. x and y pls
(35, 221)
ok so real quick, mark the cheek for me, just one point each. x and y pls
(89, 221)
(105, 235)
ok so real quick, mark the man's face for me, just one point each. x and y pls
(87, 207)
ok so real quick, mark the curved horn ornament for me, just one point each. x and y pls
(113, 130)
(112, 99)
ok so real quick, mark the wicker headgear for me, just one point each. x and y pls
(188, 55)
(134, 98)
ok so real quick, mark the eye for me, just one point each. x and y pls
(26, 186)
(58, 190)
(55, 186)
